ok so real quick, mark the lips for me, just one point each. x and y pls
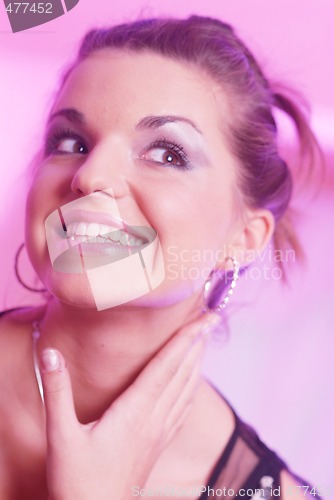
(84, 226)
(78, 238)
(121, 262)
(92, 232)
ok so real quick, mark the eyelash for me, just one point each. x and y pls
(175, 148)
(54, 138)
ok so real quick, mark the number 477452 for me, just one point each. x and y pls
(25, 7)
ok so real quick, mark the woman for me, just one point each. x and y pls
(161, 140)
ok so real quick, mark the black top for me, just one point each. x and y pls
(246, 464)
(247, 469)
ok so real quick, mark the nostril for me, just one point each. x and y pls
(75, 187)
(84, 183)
(94, 173)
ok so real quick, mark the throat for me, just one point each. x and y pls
(105, 350)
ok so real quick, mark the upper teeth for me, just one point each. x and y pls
(100, 233)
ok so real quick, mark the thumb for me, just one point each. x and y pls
(58, 397)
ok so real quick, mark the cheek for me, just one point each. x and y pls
(192, 225)
(193, 215)
(41, 200)
(49, 190)
(34, 211)
(34, 229)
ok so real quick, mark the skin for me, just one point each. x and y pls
(119, 157)
(198, 208)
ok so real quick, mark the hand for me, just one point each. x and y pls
(105, 458)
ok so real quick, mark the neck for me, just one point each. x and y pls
(106, 350)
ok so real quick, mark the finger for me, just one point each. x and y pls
(173, 417)
(58, 398)
(165, 366)
(181, 407)
(181, 390)
(149, 386)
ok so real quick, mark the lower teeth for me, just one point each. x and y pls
(96, 239)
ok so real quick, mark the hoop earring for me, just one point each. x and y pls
(17, 274)
(213, 288)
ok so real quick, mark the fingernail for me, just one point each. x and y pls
(50, 360)
(210, 324)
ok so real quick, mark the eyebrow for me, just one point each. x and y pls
(160, 121)
(72, 114)
(150, 122)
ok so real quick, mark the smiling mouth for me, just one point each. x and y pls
(94, 233)
(92, 244)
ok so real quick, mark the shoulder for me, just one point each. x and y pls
(294, 489)
(14, 323)
(16, 362)
(20, 315)
(14, 339)
(15, 344)
(19, 420)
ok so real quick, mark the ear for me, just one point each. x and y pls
(252, 235)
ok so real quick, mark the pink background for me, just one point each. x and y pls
(275, 367)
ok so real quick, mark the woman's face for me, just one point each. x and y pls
(136, 137)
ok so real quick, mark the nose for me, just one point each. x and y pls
(104, 167)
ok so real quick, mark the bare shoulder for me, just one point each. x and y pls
(16, 360)
(21, 315)
(11, 349)
(291, 489)
(15, 344)
(20, 425)
(15, 353)
(14, 327)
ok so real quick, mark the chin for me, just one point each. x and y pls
(167, 294)
(73, 290)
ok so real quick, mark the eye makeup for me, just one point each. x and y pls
(170, 145)
(180, 138)
(56, 135)
(175, 155)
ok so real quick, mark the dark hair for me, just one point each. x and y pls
(264, 177)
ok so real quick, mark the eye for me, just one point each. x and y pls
(167, 154)
(71, 146)
(63, 142)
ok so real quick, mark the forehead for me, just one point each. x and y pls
(116, 84)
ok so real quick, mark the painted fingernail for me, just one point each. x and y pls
(50, 360)
(210, 324)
